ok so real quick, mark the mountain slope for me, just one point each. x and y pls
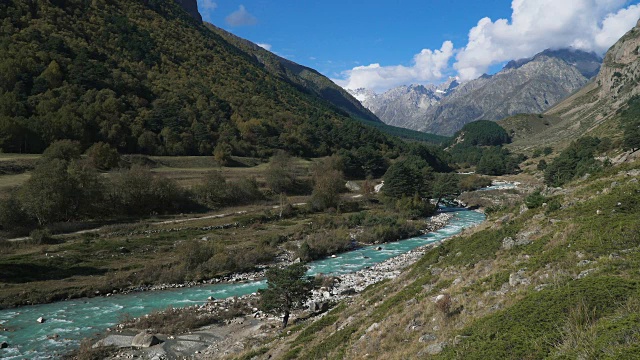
(151, 79)
(405, 105)
(528, 86)
(593, 109)
(306, 79)
(523, 86)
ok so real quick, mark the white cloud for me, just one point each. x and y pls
(241, 17)
(207, 5)
(265, 46)
(427, 66)
(534, 25)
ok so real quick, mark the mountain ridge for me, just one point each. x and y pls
(530, 85)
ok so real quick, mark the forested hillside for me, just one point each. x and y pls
(145, 77)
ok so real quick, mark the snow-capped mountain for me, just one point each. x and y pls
(404, 105)
(530, 85)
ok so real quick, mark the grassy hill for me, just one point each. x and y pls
(557, 281)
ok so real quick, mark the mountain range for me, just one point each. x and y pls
(530, 85)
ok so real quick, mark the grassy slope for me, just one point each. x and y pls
(580, 299)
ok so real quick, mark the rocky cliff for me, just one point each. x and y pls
(191, 6)
(621, 68)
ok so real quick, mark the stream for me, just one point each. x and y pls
(74, 320)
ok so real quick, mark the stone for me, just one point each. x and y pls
(4, 345)
(352, 186)
(518, 278)
(41, 320)
(349, 292)
(373, 327)
(508, 243)
(433, 349)
(119, 341)
(427, 338)
(145, 340)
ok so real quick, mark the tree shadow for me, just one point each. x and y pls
(24, 273)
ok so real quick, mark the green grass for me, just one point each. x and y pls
(533, 326)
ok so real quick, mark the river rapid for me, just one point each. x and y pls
(68, 322)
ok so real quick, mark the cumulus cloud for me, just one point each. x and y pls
(265, 46)
(241, 17)
(536, 25)
(428, 65)
(207, 5)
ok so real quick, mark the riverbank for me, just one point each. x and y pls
(70, 321)
(233, 335)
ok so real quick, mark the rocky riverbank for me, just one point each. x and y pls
(220, 340)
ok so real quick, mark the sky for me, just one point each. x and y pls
(379, 45)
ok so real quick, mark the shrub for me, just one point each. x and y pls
(41, 237)
(65, 150)
(534, 200)
(103, 157)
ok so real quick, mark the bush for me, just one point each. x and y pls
(534, 200)
(415, 207)
(41, 237)
(103, 157)
(65, 150)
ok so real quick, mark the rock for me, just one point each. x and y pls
(379, 248)
(508, 243)
(352, 186)
(427, 338)
(145, 340)
(459, 339)
(523, 209)
(518, 278)
(586, 273)
(598, 212)
(319, 306)
(41, 320)
(374, 326)
(119, 341)
(433, 349)
(583, 263)
(349, 292)
(297, 261)
(4, 345)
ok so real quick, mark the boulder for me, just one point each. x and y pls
(433, 349)
(145, 340)
(119, 341)
(352, 186)
(4, 345)
(41, 320)
(319, 306)
(427, 338)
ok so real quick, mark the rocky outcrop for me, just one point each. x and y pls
(144, 340)
(191, 6)
(620, 72)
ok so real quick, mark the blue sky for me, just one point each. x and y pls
(381, 44)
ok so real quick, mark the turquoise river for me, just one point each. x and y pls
(74, 320)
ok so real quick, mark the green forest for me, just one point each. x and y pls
(147, 78)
